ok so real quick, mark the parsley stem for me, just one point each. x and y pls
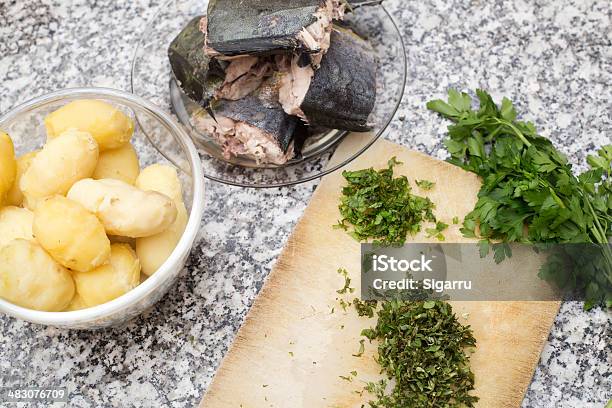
(601, 232)
(600, 236)
(515, 129)
(556, 197)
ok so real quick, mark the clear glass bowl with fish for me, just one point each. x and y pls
(267, 93)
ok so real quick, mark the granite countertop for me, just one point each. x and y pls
(552, 57)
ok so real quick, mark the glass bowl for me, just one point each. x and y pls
(26, 127)
(153, 80)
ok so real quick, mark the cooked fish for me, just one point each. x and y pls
(255, 126)
(197, 74)
(258, 27)
(252, 102)
(244, 75)
(203, 78)
(341, 93)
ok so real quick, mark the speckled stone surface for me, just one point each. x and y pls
(554, 58)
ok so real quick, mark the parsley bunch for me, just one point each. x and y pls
(422, 349)
(382, 207)
(529, 192)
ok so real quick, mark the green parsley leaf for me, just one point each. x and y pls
(530, 193)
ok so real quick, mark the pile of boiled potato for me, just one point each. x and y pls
(79, 220)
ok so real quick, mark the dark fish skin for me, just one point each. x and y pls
(198, 75)
(260, 113)
(343, 91)
(259, 27)
(299, 138)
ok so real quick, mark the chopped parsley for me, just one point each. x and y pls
(425, 184)
(375, 205)
(423, 352)
(437, 231)
(347, 282)
(365, 308)
(361, 349)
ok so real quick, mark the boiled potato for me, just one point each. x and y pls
(117, 239)
(72, 235)
(15, 196)
(106, 123)
(161, 178)
(8, 165)
(15, 223)
(124, 209)
(63, 161)
(154, 250)
(109, 281)
(119, 164)
(30, 278)
(76, 303)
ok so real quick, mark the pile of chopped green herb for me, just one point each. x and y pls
(421, 344)
(423, 351)
(530, 194)
(381, 207)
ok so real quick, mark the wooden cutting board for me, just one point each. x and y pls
(292, 349)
